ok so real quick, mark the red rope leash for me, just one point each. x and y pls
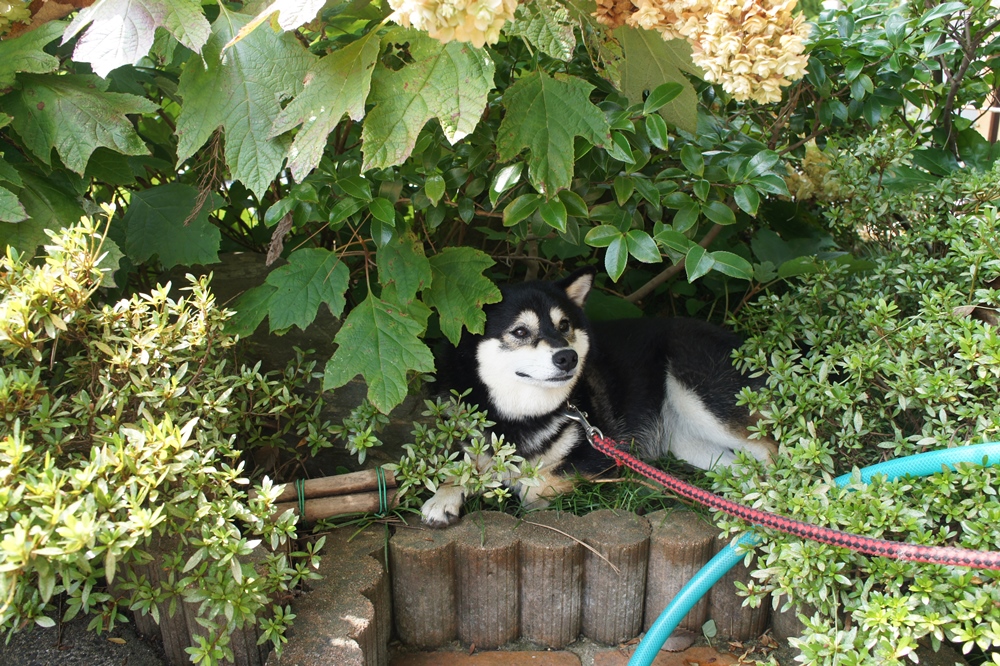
(977, 559)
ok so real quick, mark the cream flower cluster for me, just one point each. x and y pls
(474, 21)
(751, 47)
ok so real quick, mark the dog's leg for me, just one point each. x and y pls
(550, 485)
(692, 433)
(445, 507)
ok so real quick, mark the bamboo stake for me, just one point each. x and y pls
(338, 505)
(340, 484)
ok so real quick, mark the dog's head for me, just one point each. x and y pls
(535, 345)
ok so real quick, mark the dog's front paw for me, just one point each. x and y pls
(444, 508)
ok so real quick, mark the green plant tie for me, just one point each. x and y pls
(383, 495)
(300, 490)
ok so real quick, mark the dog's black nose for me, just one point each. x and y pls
(565, 360)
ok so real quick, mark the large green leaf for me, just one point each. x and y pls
(251, 308)
(546, 25)
(242, 94)
(381, 342)
(459, 290)
(285, 14)
(157, 223)
(75, 116)
(25, 54)
(401, 262)
(11, 209)
(121, 32)
(444, 81)
(47, 207)
(648, 62)
(335, 85)
(544, 114)
(312, 276)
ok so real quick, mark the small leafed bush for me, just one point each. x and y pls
(867, 366)
(120, 424)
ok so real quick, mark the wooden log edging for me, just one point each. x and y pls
(345, 619)
(551, 577)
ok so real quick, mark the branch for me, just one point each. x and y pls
(668, 273)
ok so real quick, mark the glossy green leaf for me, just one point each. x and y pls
(732, 265)
(656, 130)
(616, 257)
(553, 213)
(575, 205)
(520, 208)
(660, 96)
(434, 188)
(698, 263)
(505, 178)
(642, 246)
(602, 236)
(719, 213)
(382, 209)
(687, 217)
(747, 199)
(623, 187)
(692, 160)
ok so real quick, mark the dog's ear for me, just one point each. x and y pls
(577, 285)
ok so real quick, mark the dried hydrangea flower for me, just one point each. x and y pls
(475, 21)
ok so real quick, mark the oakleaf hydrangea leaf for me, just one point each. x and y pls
(242, 94)
(11, 209)
(47, 207)
(335, 85)
(401, 262)
(544, 114)
(121, 32)
(157, 223)
(648, 62)
(444, 81)
(75, 116)
(251, 308)
(285, 14)
(459, 290)
(25, 54)
(381, 342)
(547, 25)
(311, 276)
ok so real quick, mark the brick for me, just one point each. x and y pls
(702, 656)
(485, 659)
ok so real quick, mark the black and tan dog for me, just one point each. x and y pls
(667, 384)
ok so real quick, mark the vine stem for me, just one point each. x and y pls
(667, 273)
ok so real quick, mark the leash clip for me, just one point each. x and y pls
(574, 413)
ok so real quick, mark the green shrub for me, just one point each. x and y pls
(871, 365)
(120, 425)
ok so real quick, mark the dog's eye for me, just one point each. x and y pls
(564, 326)
(520, 332)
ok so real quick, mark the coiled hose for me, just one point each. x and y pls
(921, 464)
